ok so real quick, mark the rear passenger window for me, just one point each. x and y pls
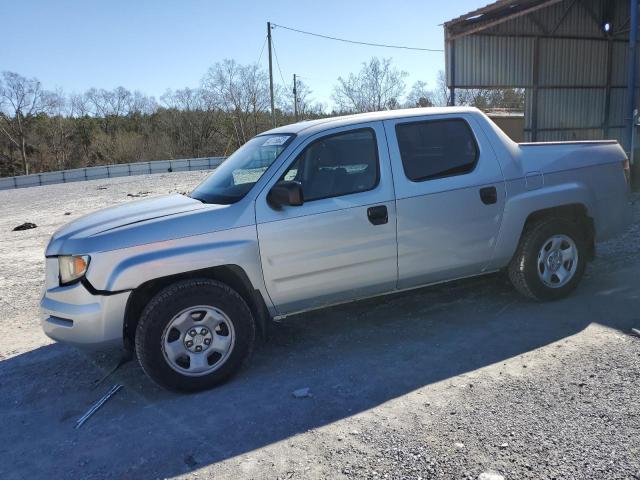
(337, 165)
(436, 149)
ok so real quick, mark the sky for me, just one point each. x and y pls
(153, 46)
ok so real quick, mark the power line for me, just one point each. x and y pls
(358, 42)
(275, 53)
(262, 50)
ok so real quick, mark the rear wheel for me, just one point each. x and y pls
(550, 260)
(194, 334)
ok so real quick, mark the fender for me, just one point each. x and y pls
(126, 269)
(520, 206)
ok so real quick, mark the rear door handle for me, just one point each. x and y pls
(489, 195)
(378, 215)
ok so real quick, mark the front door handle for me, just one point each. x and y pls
(378, 215)
(489, 195)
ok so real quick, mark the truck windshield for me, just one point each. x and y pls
(239, 173)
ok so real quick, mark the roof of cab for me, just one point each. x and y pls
(331, 122)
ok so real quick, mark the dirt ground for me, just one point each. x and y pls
(445, 382)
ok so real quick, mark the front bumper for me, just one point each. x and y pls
(73, 315)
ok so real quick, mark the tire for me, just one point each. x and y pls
(531, 270)
(194, 335)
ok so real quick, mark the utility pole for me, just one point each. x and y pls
(295, 98)
(273, 110)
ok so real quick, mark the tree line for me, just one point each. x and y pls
(44, 130)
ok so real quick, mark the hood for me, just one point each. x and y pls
(139, 222)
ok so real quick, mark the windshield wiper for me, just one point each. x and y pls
(202, 200)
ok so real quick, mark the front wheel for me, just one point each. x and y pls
(194, 334)
(550, 260)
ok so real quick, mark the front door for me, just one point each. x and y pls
(450, 197)
(341, 243)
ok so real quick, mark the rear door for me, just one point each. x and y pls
(450, 197)
(341, 243)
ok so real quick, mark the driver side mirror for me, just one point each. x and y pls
(286, 192)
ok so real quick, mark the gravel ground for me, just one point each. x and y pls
(455, 381)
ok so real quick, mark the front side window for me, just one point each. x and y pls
(337, 165)
(239, 173)
(436, 149)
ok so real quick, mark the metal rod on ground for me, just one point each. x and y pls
(295, 98)
(273, 110)
(126, 357)
(96, 406)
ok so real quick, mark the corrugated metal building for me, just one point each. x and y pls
(571, 56)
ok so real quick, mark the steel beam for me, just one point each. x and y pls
(479, 26)
(534, 91)
(631, 80)
(452, 67)
(607, 94)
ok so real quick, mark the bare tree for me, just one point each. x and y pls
(108, 105)
(482, 98)
(307, 107)
(192, 119)
(419, 96)
(142, 104)
(377, 86)
(79, 104)
(441, 95)
(491, 98)
(58, 132)
(242, 92)
(21, 101)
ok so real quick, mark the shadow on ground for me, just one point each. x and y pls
(353, 357)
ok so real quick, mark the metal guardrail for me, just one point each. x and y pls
(110, 171)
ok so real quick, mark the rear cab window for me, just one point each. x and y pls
(434, 149)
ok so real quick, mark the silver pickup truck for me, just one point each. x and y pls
(323, 212)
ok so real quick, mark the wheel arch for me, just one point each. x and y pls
(572, 211)
(569, 200)
(232, 275)
(576, 212)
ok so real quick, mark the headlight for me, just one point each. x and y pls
(72, 268)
